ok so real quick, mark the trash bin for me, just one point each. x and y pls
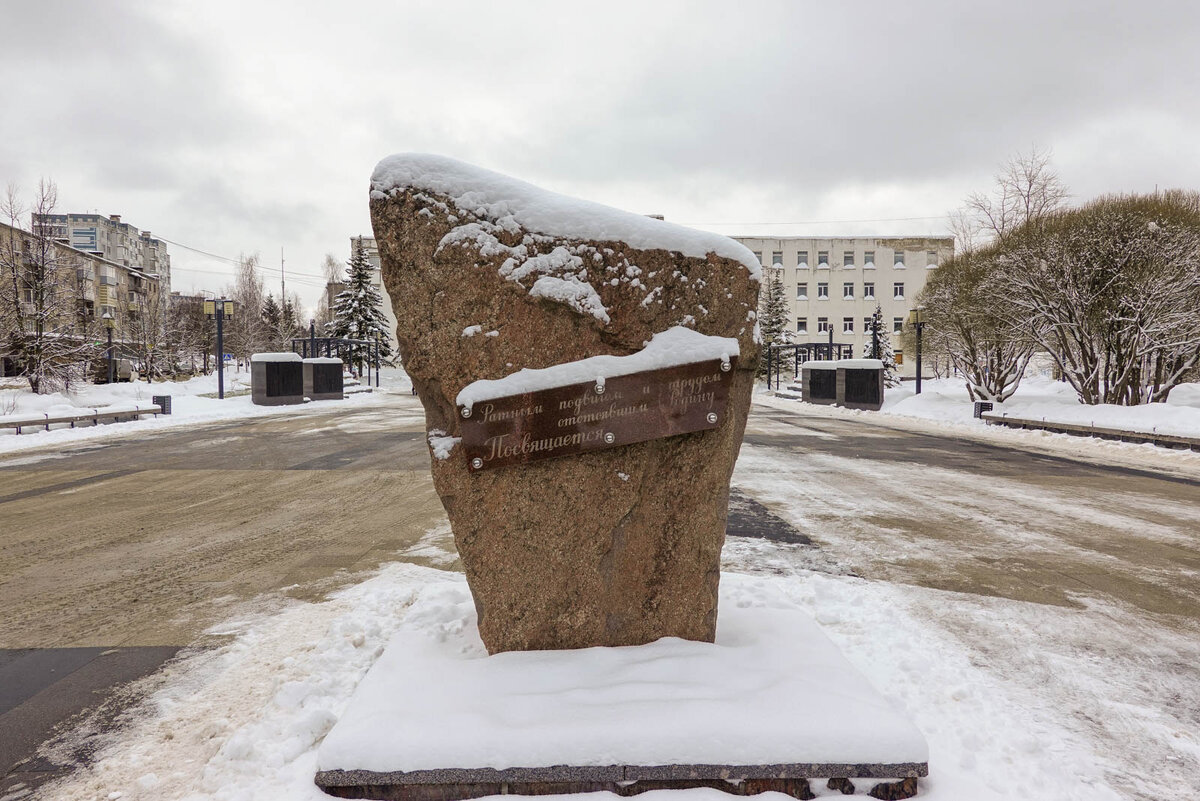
(323, 378)
(276, 379)
(163, 402)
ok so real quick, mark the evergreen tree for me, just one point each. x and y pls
(879, 346)
(358, 309)
(271, 315)
(773, 317)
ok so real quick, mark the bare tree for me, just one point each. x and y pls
(195, 331)
(246, 333)
(40, 297)
(1026, 188)
(970, 321)
(150, 331)
(1111, 291)
(333, 270)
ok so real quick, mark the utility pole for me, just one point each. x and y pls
(282, 285)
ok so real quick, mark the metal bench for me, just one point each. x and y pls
(112, 414)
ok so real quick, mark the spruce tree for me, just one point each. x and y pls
(878, 337)
(358, 309)
(270, 317)
(773, 316)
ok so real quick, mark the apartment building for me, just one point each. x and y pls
(834, 283)
(112, 240)
(96, 287)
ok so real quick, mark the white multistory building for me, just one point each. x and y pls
(834, 283)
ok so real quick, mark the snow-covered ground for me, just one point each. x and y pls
(192, 402)
(1041, 398)
(244, 721)
(944, 408)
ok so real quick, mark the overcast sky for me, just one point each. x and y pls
(241, 127)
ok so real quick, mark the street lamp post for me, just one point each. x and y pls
(109, 322)
(917, 318)
(220, 309)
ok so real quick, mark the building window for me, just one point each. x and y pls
(848, 290)
(801, 291)
(758, 256)
(822, 259)
(848, 259)
(847, 325)
(898, 290)
(931, 258)
(801, 325)
(898, 259)
(897, 325)
(802, 260)
(822, 291)
(898, 356)
(777, 258)
(822, 325)
(869, 260)
(867, 324)
(868, 291)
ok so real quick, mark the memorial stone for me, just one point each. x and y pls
(586, 375)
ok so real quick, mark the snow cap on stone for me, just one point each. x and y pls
(508, 200)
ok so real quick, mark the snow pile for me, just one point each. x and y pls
(1147, 418)
(670, 348)
(322, 360)
(772, 690)
(441, 444)
(1053, 401)
(577, 294)
(513, 203)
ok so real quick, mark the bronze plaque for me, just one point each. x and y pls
(577, 418)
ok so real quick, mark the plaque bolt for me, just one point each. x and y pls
(466, 412)
(712, 417)
(725, 367)
(599, 389)
(477, 463)
(609, 437)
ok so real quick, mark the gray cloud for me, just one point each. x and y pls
(239, 127)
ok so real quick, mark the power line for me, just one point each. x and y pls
(198, 250)
(235, 262)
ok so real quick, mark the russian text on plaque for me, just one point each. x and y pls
(605, 413)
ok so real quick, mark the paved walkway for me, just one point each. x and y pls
(968, 516)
